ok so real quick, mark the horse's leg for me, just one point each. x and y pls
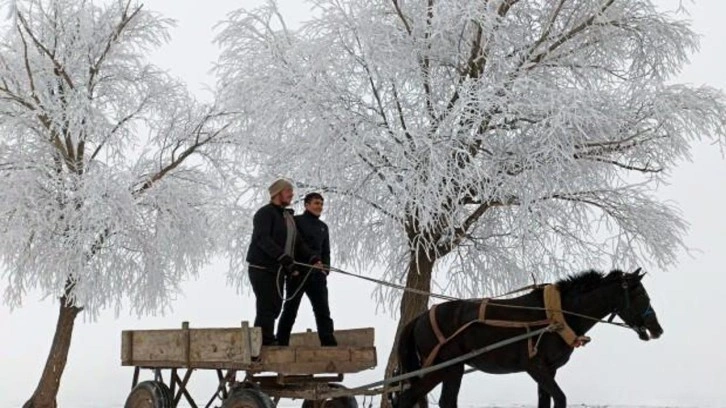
(451, 386)
(415, 395)
(547, 386)
(412, 398)
(544, 397)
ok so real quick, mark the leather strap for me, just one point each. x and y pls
(435, 325)
(481, 318)
(483, 309)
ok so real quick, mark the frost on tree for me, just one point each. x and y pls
(108, 167)
(474, 142)
(504, 138)
(104, 158)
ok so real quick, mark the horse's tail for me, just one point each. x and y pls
(408, 358)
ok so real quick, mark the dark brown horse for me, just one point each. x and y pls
(590, 296)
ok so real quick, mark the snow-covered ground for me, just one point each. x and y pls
(368, 404)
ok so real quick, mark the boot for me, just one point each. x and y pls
(328, 340)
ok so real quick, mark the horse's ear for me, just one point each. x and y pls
(637, 275)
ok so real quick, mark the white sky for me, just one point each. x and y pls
(686, 367)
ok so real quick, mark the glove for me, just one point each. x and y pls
(317, 262)
(288, 264)
(581, 341)
(286, 260)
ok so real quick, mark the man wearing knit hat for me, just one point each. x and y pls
(274, 246)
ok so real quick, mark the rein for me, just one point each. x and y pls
(297, 291)
(446, 297)
(594, 319)
(380, 282)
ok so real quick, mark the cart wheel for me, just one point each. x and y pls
(149, 394)
(247, 398)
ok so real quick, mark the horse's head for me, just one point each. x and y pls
(635, 308)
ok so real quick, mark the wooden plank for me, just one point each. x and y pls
(315, 360)
(225, 345)
(305, 355)
(158, 345)
(294, 380)
(366, 355)
(245, 349)
(318, 367)
(226, 365)
(277, 355)
(187, 342)
(255, 341)
(234, 349)
(127, 347)
(187, 347)
(364, 337)
(288, 361)
(217, 346)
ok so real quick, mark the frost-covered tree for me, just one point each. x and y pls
(107, 166)
(474, 142)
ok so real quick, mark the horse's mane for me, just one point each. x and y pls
(587, 280)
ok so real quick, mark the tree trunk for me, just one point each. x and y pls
(412, 304)
(47, 389)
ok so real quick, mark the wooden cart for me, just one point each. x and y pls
(304, 370)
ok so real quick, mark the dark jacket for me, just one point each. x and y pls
(269, 233)
(315, 234)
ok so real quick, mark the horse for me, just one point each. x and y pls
(586, 299)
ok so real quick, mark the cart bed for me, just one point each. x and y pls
(241, 349)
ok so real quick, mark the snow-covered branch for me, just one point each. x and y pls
(475, 132)
(111, 173)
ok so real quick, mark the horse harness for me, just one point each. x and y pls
(553, 308)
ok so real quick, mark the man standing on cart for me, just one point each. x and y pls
(313, 282)
(275, 245)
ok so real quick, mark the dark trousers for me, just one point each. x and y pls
(316, 288)
(265, 283)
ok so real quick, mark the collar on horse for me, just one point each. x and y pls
(553, 308)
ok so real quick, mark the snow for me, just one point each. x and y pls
(365, 234)
(110, 170)
(502, 143)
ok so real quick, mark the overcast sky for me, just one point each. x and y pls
(686, 367)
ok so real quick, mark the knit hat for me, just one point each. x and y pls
(277, 187)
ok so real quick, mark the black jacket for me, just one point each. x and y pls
(315, 234)
(269, 233)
